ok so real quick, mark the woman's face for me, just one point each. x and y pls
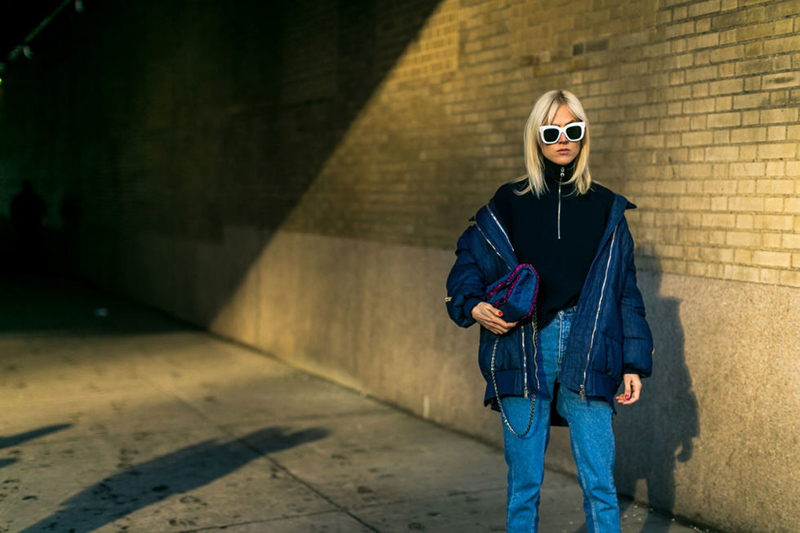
(563, 152)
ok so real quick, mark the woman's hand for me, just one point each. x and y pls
(633, 387)
(488, 316)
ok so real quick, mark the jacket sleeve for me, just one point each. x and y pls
(637, 339)
(466, 283)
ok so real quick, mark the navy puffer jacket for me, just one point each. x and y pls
(609, 336)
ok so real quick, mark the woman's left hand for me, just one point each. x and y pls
(633, 387)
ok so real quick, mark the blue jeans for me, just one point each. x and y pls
(591, 438)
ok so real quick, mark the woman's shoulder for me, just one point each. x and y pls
(601, 199)
(508, 200)
(509, 191)
(601, 190)
(601, 194)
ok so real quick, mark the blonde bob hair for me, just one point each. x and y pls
(544, 110)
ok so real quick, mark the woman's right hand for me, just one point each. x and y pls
(488, 316)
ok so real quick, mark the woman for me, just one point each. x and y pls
(588, 334)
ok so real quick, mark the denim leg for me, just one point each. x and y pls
(525, 460)
(592, 441)
(525, 456)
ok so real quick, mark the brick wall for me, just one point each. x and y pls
(693, 106)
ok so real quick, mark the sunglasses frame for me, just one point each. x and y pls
(581, 125)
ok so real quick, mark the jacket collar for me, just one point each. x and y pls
(618, 208)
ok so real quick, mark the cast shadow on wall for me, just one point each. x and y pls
(657, 434)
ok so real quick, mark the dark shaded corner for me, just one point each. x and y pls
(44, 302)
(153, 123)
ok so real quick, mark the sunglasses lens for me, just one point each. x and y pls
(574, 133)
(550, 135)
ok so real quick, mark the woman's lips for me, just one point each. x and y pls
(564, 151)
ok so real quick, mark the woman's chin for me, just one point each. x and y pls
(563, 159)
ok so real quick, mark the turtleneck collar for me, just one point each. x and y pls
(552, 171)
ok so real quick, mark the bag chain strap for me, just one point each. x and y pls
(496, 391)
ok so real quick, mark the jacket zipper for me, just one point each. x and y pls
(492, 245)
(499, 225)
(525, 359)
(597, 315)
(559, 202)
(524, 363)
(522, 328)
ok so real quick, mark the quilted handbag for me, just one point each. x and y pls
(515, 294)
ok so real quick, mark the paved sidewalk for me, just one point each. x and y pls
(116, 419)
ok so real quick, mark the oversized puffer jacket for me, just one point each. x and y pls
(609, 336)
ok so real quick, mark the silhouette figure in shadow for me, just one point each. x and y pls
(176, 473)
(27, 212)
(657, 432)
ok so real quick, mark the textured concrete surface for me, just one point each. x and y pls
(116, 419)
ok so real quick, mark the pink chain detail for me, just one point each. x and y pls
(514, 279)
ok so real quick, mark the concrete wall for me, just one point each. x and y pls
(294, 176)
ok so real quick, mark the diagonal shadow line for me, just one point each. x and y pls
(176, 473)
(7, 462)
(15, 440)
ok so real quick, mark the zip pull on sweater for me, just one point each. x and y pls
(560, 181)
(554, 173)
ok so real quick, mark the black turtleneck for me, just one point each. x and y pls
(533, 225)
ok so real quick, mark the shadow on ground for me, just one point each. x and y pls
(176, 473)
(16, 440)
(21, 438)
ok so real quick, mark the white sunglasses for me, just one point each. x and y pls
(552, 133)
